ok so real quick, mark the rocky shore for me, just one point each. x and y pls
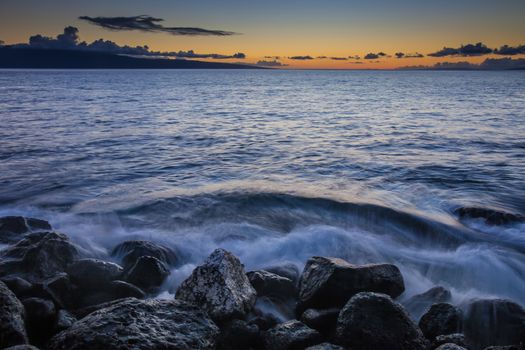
(53, 295)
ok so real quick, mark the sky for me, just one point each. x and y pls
(270, 30)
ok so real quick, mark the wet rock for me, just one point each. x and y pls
(40, 319)
(493, 322)
(131, 251)
(330, 282)
(84, 311)
(455, 338)
(441, 319)
(60, 289)
(141, 325)
(93, 273)
(239, 334)
(375, 321)
(38, 256)
(287, 270)
(291, 335)
(420, 303)
(325, 346)
(221, 286)
(13, 228)
(121, 289)
(271, 285)
(22, 347)
(491, 216)
(12, 314)
(450, 346)
(505, 347)
(64, 320)
(323, 320)
(148, 273)
(18, 285)
(263, 320)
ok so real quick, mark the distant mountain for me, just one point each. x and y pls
(47, 58)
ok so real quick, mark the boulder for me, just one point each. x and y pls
(239, 334)
(489, 322)
(18, 285)
(505, 347)
(287, 270)
(147, 273)
(60, 289)
(263, 320)
(325, 346)
(140, 325)
(84, 311)
(375, 321)
(450, 346)
(441, 319)
(12, 314)
(122, 289)
(323, 320)
(291, 335)
(330, 282)
(13, 228)
(38, 256)
(221, 286)
(64, 320)
(455, 338)
(491, 216)
(41, 317)
(22, 347)
(130, 251)
(271, 285)
(93, 273)
(420, 303)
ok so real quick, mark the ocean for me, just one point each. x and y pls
(277, 166)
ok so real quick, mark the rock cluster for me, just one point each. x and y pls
(53, 296)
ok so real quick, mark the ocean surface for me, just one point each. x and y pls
(277, 166)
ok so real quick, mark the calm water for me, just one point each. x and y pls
(277, 166)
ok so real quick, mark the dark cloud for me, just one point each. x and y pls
(339, 58)
(301, 58)
(409, 55)
(273, 63)
(322, 57)
(371, 56)
(478, 49)
(510, 50)
(69, 40)
(355, 57)
(273, 57)
(381, 54)
(506, 63)
(149, 24)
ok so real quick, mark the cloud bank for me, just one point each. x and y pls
(149, 24)
(301, 58)
(510, 51)
(274, 63)
(478, 49)
(506, 63)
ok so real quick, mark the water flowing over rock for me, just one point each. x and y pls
(419, 304)
(22, 347)
(494, 322)
(221, 286)
(455, 338)
(13, 228)
(491, 216)
(330, 282)
(131, 251)
(325, 346)
(147, 273)
(291, 335)
(141, 325)
(375, 321)
(450, 346)
(12, 314)
(38, 256)
(441, 319)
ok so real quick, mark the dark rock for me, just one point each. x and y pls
(491, 216)
(493, 322)
(263, 320)
(18, 285)
(38, 256)
(375, 321)
(93, 273)
(291, 335)
(220, 286)
(455, 338)
(325, 346)
(84, 311)
(271, 285)
(64, 320)
(40, 319)
(505, 347)
(441, 319)
(12, 228)
(141, 325)
(22, 347)
(130, 251)
(238, 334)
(12, 314)
(121, 289)
(147, 273)
(323, 320)
(287, 270)
(330, 282)
(420, 303)
(450, 346)
(60, 289)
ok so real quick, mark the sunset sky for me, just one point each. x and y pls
(331, 28)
